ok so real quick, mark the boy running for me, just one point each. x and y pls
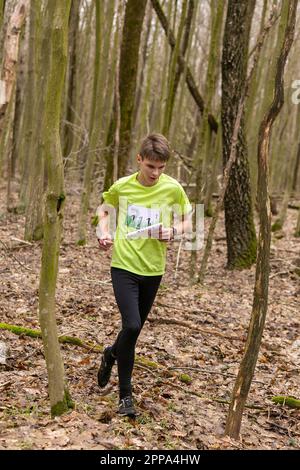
(144, 199)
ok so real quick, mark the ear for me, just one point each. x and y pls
(138, 158)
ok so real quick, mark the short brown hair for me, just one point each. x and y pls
(155, 147)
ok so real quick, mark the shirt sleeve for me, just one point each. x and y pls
(111, 196)
(183, 205)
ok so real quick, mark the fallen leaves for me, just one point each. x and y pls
(170, 417)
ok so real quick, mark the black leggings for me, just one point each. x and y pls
(135, 295)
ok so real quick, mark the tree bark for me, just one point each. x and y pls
(133, 23)
(94, 137)
(240, 230)
(173, 74)
(32, 127)
(260, 298)
(10, 59)
(233, 150)
(72, 79)
(182, 64)
(57, 14)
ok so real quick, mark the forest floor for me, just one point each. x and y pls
(208, 346)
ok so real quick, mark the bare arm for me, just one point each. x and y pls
(102, 231)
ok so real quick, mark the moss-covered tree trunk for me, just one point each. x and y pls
(32, 127)
(85, 44)
(98, 105)
(2, 7)
(202, 157)
(260, 298)
(180, 77)
(94, 137)
(173, 73)
(217, 12)
(297, 167)
(133, 24)
(110, 126)
(240, 230)
(57, 14)
(71, 80)
(2, 10)
(142, 68)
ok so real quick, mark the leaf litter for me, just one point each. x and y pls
(179, 336)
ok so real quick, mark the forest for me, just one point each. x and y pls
(82, 83)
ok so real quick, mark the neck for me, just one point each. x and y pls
(141, 181)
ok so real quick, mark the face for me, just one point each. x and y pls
(150, 170)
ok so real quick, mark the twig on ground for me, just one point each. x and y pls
(14, 257)
(21, 241)
(5, 385)
(208, 331)
(203, 369)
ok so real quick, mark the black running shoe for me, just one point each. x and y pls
(126, 407)
(106, 366)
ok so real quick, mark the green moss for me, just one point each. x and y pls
(70, 402)
(292, 402)
(171, 406)
(185, 378)
(38, 233)
(19, 209)
(276, 226)
(146, 362)
(144, 419)
(208, 211)
(246, 259)
(63, 406)
(95, 220)
(59, 408)
(297, 234)
(81, 242)
(20, 330)
(70, 340)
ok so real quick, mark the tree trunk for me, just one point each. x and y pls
(233, 149)
(217, 12)
(260, 300)
(173, 73)
(240, 230)
(94, 137)
(96, 121)
(142, 67)
(10, 59)
(72, 80)
(110, 129)
(182, 64)
(57, 14)
(297, 166)
(133, 23)
(180, 78)
(2, 8)
(39, 53)
(297, 231)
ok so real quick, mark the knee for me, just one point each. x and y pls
(133, 330)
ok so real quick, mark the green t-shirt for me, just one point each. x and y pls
(140, 206)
